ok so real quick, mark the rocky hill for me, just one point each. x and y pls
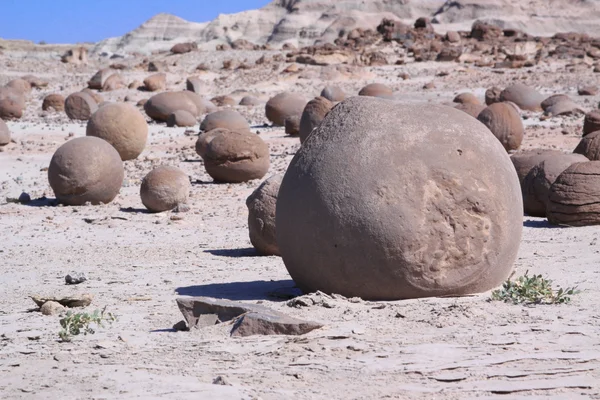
(306, 22)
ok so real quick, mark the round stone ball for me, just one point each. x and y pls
(536, 184)
(20, 85)
(314, 112)
(505, 123)
(4, 133)
(86, 169)
(560, 104)
(524, 161)
(181, 118)
(164, 188)
(292, 125)
(12, 103)
(466, 98)
(589, 146)
(492, 95)
(525, 97)
(123, 126)
(377, 90)
(591, 122)
(160, 106)
(227, 119)
(261, 216)
(205, 138)
(333, 93)
(472, 109)
(573, 197)
(235, 157)
(432, 207)
(80, 106)
(284, 105)
(250, 101)
(98, 98)
(54, 102)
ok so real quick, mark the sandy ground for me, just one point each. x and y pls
(139, 263)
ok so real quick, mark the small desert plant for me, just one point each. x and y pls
(532, 290)
(74, 324)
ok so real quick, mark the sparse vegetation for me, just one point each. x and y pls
(532, 290)
(74, 324)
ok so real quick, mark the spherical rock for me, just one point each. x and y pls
(52, 308)
(20, 85)
(35, 82)
(505, 123)
(97, 81)
(536, 184)
(377, 90)
(236, 157)
(80, 106)
(589, 146)
(250, 101)
(523, 96)
(164, 188)
(261, 216)
(160, 106)
(492, 95)
(292, 125)
(466, 98)
(453, 36)
(228, 119)
(86, 169)
(524, 161)
(4, 133)
(587, 91)
(123, 126)
(573, 197)
(12, 103)
(284, 105)
(431, 208)
(181, 118)
(55, 102)
(314, 112)
(333, 93)
(591, 122)
(156, 82)
(472, 109)
(560, 104)
(114, 82)
(223, 101)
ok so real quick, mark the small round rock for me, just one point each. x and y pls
(505, 123)
(205, 138)
(227, 119)
(181, 118)
(492, 95)
(250, 101)
(377, 90)
(54, 102)
(80, 106)
(466, 98)
(261, 216)
(86, 169)
(525, 97)
(314, 112)
(282, 106)
(123, 126)
(333, 93)
(292, 125)
(235, 157)
(164, 188)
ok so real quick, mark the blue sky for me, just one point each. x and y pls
(71, 21)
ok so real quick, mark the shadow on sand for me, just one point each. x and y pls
(234, 253)
(532, 223)
(256, 290)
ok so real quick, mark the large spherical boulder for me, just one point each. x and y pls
(4, 134)
(525, 97)
(261, 216)
(314, 112)
(589, 146)
(205, 138)
(54, 102)
(156, 82)
(227, 119)
(591, 122)
(536, 184)
(86, 169)
(236, 157)
(284, 105)
(123, 126)
(164, 188)
(525, 160)
(470, 108)
(333, 93)
(573, 198)
(12, 103)
(160, 106)
(80, 106)
(377, 90)
(560, 104)
(432, 206)
(505, 123)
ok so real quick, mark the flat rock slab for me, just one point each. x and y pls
(250, 319)
(82, 300)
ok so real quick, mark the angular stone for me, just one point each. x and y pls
(272, 323)
(82, 300)
(52, 308)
